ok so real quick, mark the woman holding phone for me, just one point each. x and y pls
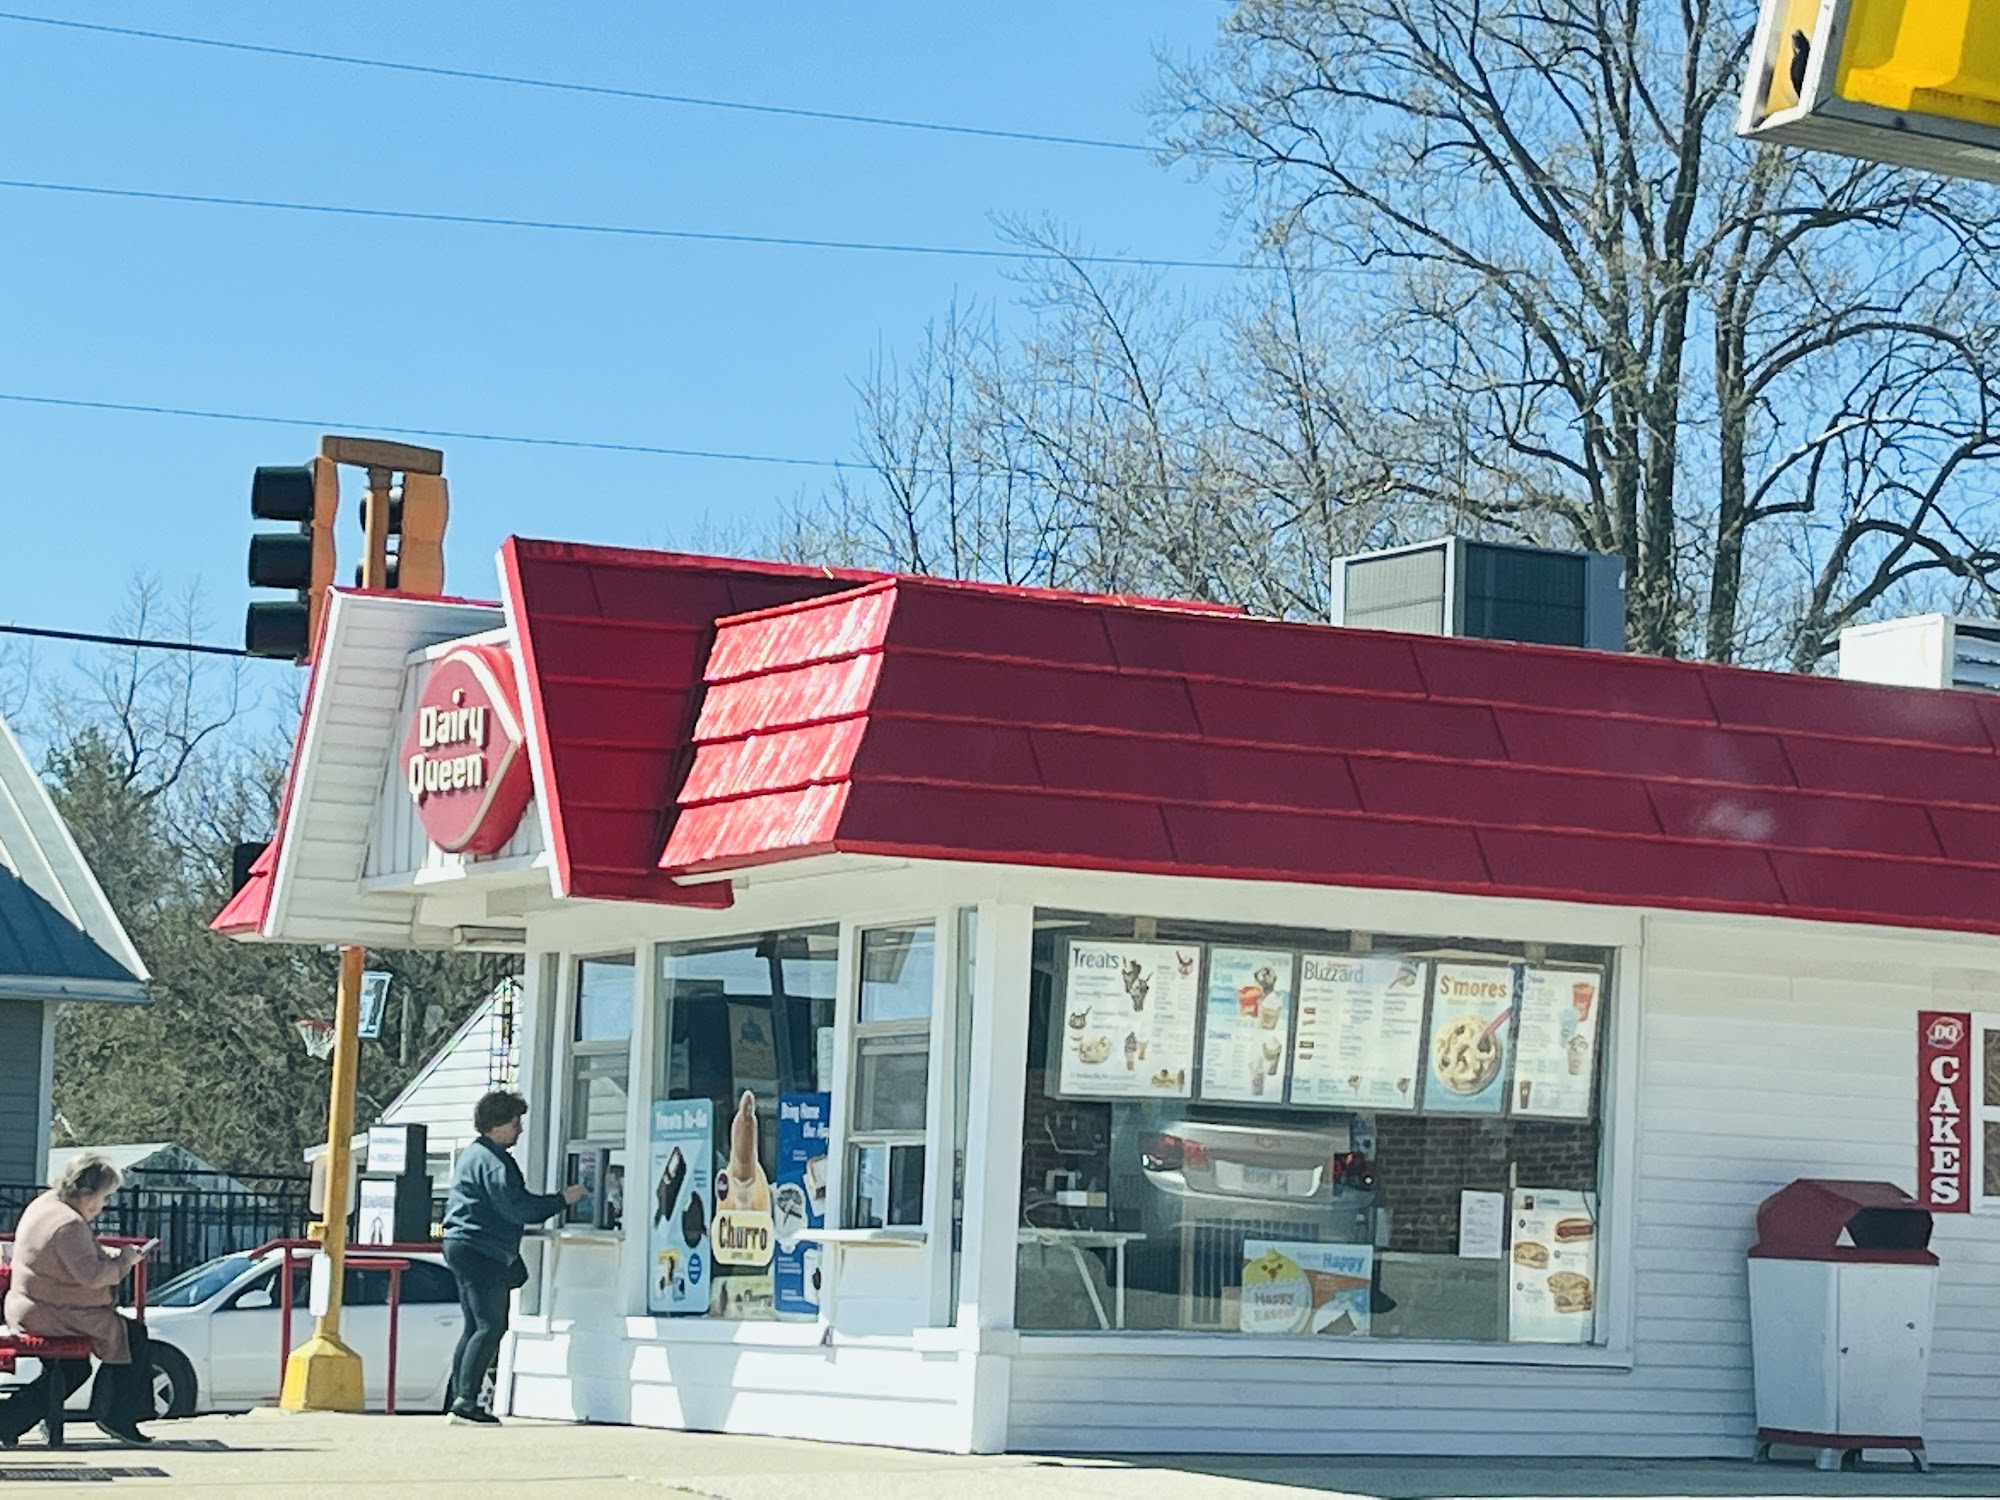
(64, 1286)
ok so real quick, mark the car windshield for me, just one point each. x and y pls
(191, 1288)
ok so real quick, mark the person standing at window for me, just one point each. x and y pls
(488, 1206)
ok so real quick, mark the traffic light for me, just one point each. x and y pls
(308, 496)
(413, 540)
(1911, 82)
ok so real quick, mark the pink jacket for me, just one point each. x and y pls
(63, 1280)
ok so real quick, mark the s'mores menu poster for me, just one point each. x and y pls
(1552, 1268)
(1128, 1020)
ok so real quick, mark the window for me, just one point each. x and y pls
(600, 1058)
(746, 1043)
(1276, 1132)
(892, 1069)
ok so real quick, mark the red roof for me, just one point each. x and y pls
(920, 719)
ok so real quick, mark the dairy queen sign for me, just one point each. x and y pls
(1945, 1120)
(464, 755)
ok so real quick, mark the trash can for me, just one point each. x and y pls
(1842, 1290)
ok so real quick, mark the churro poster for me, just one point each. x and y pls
(1465, 1056)
(681, 1157)
(744, 1234)
(1128, 1020)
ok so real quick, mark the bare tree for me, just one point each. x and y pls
(1604, 320)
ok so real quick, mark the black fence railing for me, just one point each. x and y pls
(193, 1222)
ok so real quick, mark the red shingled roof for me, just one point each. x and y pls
(922, 719)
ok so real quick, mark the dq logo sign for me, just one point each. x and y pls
(1946, 1032)
(1944, 1108)
(464, 755)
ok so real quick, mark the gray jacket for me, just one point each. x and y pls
(489, 1203)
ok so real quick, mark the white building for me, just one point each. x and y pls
(1232, 1036)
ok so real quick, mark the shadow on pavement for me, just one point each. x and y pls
(1667, 1479)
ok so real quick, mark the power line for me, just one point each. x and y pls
(719, 455)
(639, 231)
(193, 647)
(606, 91)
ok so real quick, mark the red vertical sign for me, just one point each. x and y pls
(1944, 1111)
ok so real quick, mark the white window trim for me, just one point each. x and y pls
(567, 1139)
(1979, 1114)
(937, 1086)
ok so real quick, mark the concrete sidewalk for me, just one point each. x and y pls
(272, 1453)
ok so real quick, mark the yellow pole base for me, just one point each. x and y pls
(322, 1374)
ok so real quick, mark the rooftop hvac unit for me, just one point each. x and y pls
(1934, 651)
(1501, 592)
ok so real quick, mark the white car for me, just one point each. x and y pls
(215, 1332)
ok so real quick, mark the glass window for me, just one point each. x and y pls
(604, 990)
(746, 1024)
(1276, 1132)
(897, 973)
(600, 1061)
(892, 1070)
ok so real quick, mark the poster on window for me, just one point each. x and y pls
(1129, 1018)
(1552, 1268)
(1306, 1288)
(798, 1201)
(681, 1159)
(753, 1049)
(1360, 1035)
(1246, 1025)
(1555, 1042)
(1465, 1061)
(743, 1233)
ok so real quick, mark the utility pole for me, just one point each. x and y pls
(323, 1374)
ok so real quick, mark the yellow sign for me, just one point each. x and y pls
(1925, 57)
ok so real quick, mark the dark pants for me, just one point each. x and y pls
(123, 1396)
(483, 1287)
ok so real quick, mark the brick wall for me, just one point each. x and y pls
(1422, 1163)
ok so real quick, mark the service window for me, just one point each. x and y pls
(600, 1063)
(1326, 1134)
(892, 1069)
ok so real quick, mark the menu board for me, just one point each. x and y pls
(1360, 1033)
(1306, 1288)
(1246, 1023)
(1465, 1062)
(1129, 1017)
(1552, 1284)
(1555, 1050)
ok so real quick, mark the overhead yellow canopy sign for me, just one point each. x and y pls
(1914, 82)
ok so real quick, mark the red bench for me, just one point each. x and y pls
(18, 1346)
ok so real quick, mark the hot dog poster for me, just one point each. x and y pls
(1552, 1268)
(1465, 1057)
(681, 1155)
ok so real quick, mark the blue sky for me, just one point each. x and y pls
(501, 330)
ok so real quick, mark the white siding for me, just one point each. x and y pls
(1767, 1052)
(441, 1098)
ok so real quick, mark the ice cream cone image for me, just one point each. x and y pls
(746, 1188)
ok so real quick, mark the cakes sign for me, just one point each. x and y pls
(1944, 1103)
(463, 758)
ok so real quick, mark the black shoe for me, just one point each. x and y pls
(476, 1415)
(130, 1436)
(10, 1439)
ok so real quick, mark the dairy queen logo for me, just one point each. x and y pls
(464, 758)
(1944, 1109)
(1946, 1032)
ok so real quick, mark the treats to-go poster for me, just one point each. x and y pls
(798, 1201)
(1465, 1059)
(1246, 1025)
(681, 1156)
(1360, 1032)
(1552, 1268)
(1306, 1288)
(1555, 1048)
(1128, 1020)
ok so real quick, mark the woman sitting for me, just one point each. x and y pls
(63, 1287)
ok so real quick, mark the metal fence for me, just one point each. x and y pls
(192, 1222)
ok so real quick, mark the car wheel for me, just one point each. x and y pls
(173, 1382)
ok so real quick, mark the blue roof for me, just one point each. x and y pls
(59, 938)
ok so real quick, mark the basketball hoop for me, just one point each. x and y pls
(317, 1035)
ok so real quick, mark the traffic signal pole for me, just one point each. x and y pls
(323, 1374)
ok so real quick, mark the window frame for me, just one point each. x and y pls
(1980, 1114)
(917, 1034)
(569, 1137)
